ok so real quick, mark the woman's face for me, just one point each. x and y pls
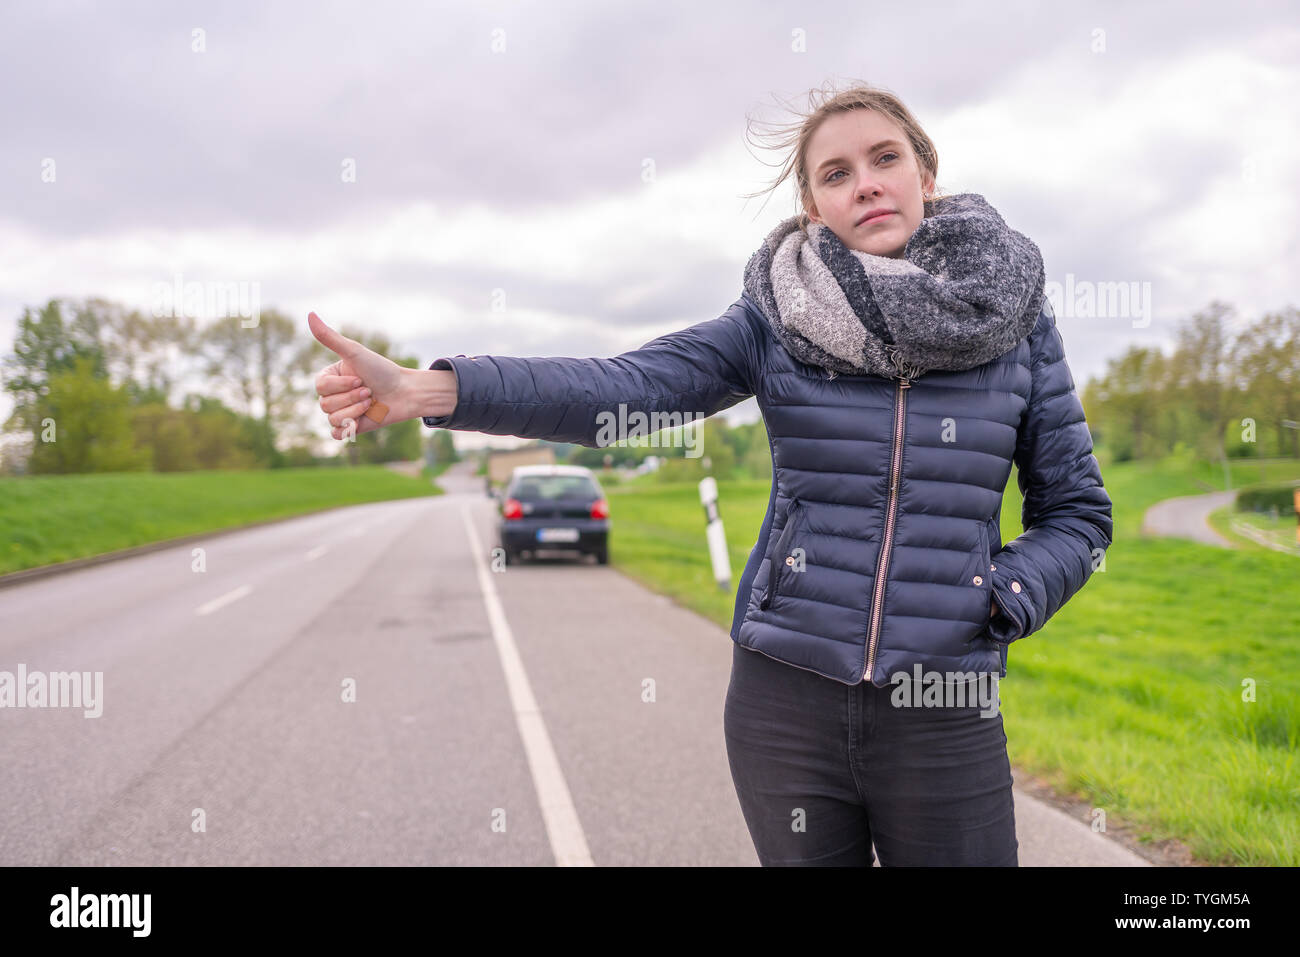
(860, 163)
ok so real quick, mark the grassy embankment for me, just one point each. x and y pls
(56, 518)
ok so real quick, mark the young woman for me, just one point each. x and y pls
(903, 356)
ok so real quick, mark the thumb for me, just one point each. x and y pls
(335, 342)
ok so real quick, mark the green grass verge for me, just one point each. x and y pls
(1131, 697)
(56, 518)
(1280, 531)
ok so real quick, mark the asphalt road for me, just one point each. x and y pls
(499, 718)
(1188, 517)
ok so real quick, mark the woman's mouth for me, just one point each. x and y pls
(876, 217)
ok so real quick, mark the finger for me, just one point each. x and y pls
(351, 412)
(334, 368)
(334, 384)
(335, 342)
(332, 403)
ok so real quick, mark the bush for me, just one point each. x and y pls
(1262, 498)
(299, 456)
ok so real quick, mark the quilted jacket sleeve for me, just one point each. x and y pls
(688, 374)
(1066, 512)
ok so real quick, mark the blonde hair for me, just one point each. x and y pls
(827, 102)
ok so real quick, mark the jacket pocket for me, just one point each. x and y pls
(983, 578)
(780, 556)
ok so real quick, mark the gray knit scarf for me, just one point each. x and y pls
(967, 289)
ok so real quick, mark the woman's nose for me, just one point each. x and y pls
(867, 186)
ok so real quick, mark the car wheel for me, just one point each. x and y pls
(602, 556)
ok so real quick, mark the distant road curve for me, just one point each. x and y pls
(1188, 517)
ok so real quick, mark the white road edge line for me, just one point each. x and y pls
(568, 843)
(224, 600)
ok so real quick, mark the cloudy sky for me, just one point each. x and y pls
(411, 168)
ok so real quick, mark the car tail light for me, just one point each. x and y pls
(511, 508)
(600, 508)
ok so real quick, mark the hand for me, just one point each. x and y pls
(361, 377)
(993, 609)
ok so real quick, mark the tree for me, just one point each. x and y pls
(1267, 357)
(167, 434)
(46, 344)
(1126, 403)
(222, 438)
(146, 353)
(443, 446)
(258, 362)
(84, 425)
(714, 456)
(1202, 371)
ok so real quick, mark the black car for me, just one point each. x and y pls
(554, 507)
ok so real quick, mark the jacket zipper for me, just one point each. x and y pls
(887, 541)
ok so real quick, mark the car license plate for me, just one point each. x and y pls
(557, 534)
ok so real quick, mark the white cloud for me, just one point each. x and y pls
(1166, 159)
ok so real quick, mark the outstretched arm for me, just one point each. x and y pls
(671, 381)
(1066, 512)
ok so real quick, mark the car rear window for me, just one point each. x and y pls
(536, 488)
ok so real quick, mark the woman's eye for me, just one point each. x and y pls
(831, 178)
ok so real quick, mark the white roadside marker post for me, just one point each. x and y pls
(714, 532)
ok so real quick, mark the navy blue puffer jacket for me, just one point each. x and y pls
(881, 547)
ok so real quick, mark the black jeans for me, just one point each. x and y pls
(823, 771)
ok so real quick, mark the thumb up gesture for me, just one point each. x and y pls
(367, 389)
